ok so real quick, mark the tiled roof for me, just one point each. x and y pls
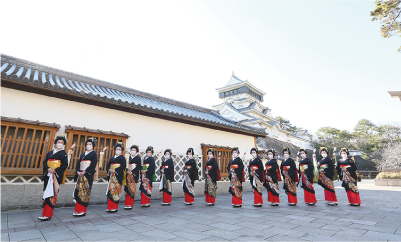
(25, 73)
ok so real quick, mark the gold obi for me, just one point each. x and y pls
(115, 166)
(53, 164)
(303, 167)
(85, 164)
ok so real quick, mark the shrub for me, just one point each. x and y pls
(389, 175)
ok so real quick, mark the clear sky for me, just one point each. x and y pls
(321, 63)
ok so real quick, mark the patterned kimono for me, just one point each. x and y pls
(58, 162)
(211, 181)
(255, 164)
(271, 181)
(189, 180)
(147, 179)
(130, 189)
(236, 175)
(306, 180)
(118, 164)
(349, 179)
(288, 170)
(86, 162)
(167, 179)
(325, 179)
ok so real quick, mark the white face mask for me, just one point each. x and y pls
(167, 155)
(235, 154)
(59, 146)
(118, 152)
(303, 155)
(254, 154)
(189, 156)
(344, 156)
(89, 147)
(286, 156)
(270, 156)
(210, 156)
(324, 155)
(133, 152)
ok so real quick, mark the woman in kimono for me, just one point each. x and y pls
(84, 174)
(306, 178)
(289, 173)
(236, 176)
(211, 170)
(148, 176)
(326, 176)
(54, 169)
(115, 175)
(167, 172)
(133, 170)
(256, 173)
(190, 172)
(346, 169)
(272, 174)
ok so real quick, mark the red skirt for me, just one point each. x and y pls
(188, 198)
(236, 201)
(271, 198)
(210, 199)
(257, 198)
(79, 208)
(292, 199)
(353, 197)
(47, 211)
(166, 198)
(309, 197)
(144, 199)
(330, 196)
(129, 201)
(111, 205)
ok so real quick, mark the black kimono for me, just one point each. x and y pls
(58, 162)
(84, 184)
(326, 177)
(257, 180)
(168, 176)
(133, 179)
(236, 176)
(288, 171)
(148, 178)
(306, 177)
(349, 178)
(189, 178)
(118, 164)
(271, 181)
(211, 180)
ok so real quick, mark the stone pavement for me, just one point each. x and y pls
(378, 219)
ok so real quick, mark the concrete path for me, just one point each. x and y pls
(378, 219)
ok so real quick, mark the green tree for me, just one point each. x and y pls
(286, 124)
(388, 12)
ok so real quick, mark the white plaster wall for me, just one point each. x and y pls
(144, 131)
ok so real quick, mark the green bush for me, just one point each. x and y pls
(389, 175)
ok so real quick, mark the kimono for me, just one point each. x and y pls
(58, 162)
(118, 164)
(288, 171)
(306, 180)
(325, 179)
(189, 181)
(255, 164)
(147, 180)
(167, 178)
(211, 181)
(82, 192)
(130, 188)
(272, 174)
(349, 179)
(236, 176)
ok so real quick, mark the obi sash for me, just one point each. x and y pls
(189, 167)
(145, 166)
(268, 167)
(254, 168)
(286, 168)
(209, 167)
(131, 167)
(324, 166)
(234, 166)
(165, 167)
(344, 166)
(303, 167)
(114, 166)
(53, 164)
(84, 164)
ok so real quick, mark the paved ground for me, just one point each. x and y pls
(378, 219)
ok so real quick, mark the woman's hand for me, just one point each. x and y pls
(50, 171)
(112, 171)
(321, 170)
(344, 169)
(144, 172)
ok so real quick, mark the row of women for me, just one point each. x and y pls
(143, 172)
